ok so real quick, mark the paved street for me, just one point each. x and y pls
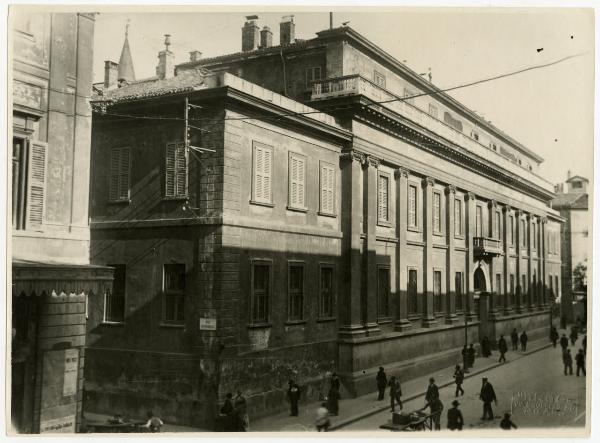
(540, 394)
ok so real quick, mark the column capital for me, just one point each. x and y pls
(506, 208)
(469, 196)
(450, 189)
(544, 220)
(492, 204)
(401, 172)
(427, 181)
(354, 155)
(519, 212)
(372, 161)
(529, 217)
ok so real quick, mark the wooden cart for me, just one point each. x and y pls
(417, 421)
(114, 426)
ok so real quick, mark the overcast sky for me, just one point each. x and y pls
(549, 110)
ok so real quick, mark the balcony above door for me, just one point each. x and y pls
(484, 247)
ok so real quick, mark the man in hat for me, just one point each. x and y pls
(514, 338)
(455, 417)
(459, 377)
(502, 348)
(381, 383)
(568, 362)
(487, 396)
(395, 393)
(433, 392)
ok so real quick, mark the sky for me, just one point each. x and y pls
(549, 110)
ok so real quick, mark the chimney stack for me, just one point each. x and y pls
(195, 56)
(266, 37)
(166, 61)
(250, 34)
(287, 30)
(111, 70)
(568, 174)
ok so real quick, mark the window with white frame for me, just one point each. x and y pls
(313, 73)
(412, 206)
(383, 207)
(437, 212)
(327, 185)
(262, 173)
(379, 79)
(458, 214)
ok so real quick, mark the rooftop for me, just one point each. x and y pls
(570, 201)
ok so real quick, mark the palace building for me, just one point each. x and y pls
(292, 210)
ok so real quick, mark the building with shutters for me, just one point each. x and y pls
(351, 216)
(52, 279)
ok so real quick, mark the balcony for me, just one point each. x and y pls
(486, 247)
(357, 85)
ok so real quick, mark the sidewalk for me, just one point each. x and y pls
(354, 409)
(102, 418)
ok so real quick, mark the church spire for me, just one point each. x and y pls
(126, 71)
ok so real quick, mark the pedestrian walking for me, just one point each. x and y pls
(322, 422)
(227, 418)
(471, 356)
(564, 342)
(335, 382)
(553, 336)
(432, 391)
(154, 423)
(506, 423)
(523, 340)
(240, 406)
(486, 348)
(563, 322)
(573, 335)
(568, 362)
(227, 407)
(395, 393)
(465, 358)
(333, 398)
(502, 348)
(580, 361)
(459, 377)
(487, 396)
(293, 397)
(382, 382)
(435, 410)
(455, 417)
(514, 338)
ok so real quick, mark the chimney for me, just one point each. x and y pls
(266, 37)
(287, 30)
(111, 70)
(166, 63)
(195, 56)
(568, 174)
(250, 34)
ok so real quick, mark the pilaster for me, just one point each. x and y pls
(518, 268)
(370, 289)
(470, 233)
(401, 176)
(450, 282)
(506, 269)
(428, 315)
(530, 288)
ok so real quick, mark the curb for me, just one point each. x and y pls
(379, 409)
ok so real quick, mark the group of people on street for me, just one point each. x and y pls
(394, 385)
(234, 413)
(567, 358)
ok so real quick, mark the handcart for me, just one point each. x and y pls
(414, 421)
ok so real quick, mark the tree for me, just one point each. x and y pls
(580, 277)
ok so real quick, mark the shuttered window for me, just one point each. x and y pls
(327, 185)
(457, 217)
(262, 173)
(478, 221)
(296, 292)
(412, 291)
(176, 170)
(383, 293)
(524, 233)
(36, 184)
(412, 206)
(458, 291)
(174, 293)
(498, 230)
(297, 181)
(383, 183)
(437, 208)
(512, 230)
(261, 288)
(114, 302)
(119, 174)
(437, 291)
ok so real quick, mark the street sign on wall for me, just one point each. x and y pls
(208, 324)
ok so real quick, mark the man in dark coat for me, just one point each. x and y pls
(507, 423)
(514, 338)
(573, 335)
(568, 362)
(293, 396)
(553, 336)
(580, 361)
(486, 349)
(459, 377)
(335, 382)
(465, 357)
(523, 340)
(381, 383)
(395, 393)
(455, 417)
(564, 342)
(435, 409)
(471, 355)
(432, 392)
(333, 398)
(487, 396)
(502, 348)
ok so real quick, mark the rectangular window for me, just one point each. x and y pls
(19, 182)
(114, 302)
(433, 110)
(408, 94)
(327, 299)
(383, 292)
(261, 289)
(523, 284)
(458, 291)
(523, 233)
(437, 212)
(174, 293)
(550, 285)
(383, 183)
(556, 287)
(262, 173)
(512, 289)
(512, 230)
(499, 284)
(534, 234)
(29, 183)
(297, 181)
(296, 292)
(412, 292)
(412, 206)
(437, 291)
(498, 227)
(119, 174)
(176, 183)
(313, 73)
(457, 218)
(379, 79)
(327, 185)
(478, 221)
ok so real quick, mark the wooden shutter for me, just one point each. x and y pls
(124, 168)
(382, 206)
(263, 159)
(297, 181)
(181, 168)
(327, 188)
(119, 174)
(36, 184)
(170, 156)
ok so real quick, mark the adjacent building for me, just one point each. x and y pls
(572, 202)
(51, 71)
(291, 210)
